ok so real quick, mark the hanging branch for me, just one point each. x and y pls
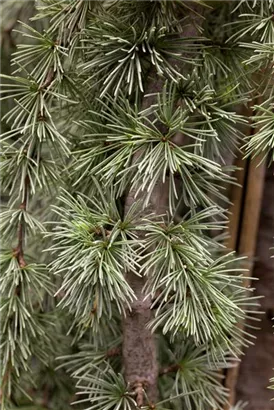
(19, 250)
(31, 165)
(19, 254)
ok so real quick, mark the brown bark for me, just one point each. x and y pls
(139, 344)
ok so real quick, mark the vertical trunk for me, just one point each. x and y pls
(139, 344)
(139, 347)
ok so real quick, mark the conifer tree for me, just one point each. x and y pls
(121, 121)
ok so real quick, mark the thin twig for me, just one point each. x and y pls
(139, 391)
(49, 79)
(173, 368)
(19, 251)
(19, 254)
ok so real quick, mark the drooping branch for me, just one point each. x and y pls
(19, 255)
(19, 250)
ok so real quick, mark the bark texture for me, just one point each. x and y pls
(139, 344)
(257, 365)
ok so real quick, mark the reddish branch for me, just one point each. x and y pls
(173, 368)
(19, 250)
(49, 79)
(139, 392)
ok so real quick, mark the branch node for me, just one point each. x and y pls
(139, 392)
(170, 369)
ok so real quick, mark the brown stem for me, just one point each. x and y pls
(139, 344)
(19, 254)
(49, 79)
(19, 251)
(173, 368)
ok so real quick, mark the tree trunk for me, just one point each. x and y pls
(139, 344)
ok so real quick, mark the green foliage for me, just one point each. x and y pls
(80, 133)
(197, 373)
(262, 142)
(107, 392)
(124, 53)
(94, 246)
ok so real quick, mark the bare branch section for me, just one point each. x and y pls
(19, 250)
(49, 79)
(139, 344)
(173, 368)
